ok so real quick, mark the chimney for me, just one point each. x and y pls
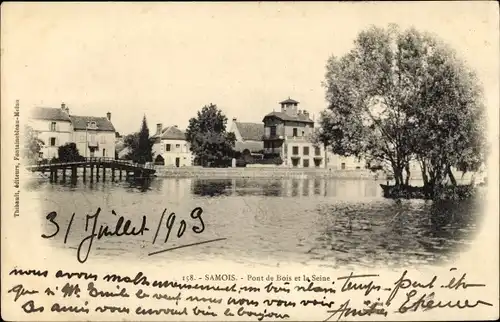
(299, 112)
(306, 113)
(159, 127)
(64, 108)
(108, 115)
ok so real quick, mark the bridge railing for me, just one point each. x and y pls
(92, 160)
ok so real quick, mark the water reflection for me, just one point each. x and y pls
(286, 187)
(335, 222)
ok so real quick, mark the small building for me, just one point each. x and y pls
(337, 162)
(53, 127)
(170, 147)
(248, 138)
(94, 136)
(288, 134)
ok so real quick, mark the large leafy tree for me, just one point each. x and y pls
(207, 136)
(403, 95)
(140, 145)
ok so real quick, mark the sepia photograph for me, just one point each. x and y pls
(290, 161)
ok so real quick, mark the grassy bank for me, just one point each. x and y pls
(260, 172)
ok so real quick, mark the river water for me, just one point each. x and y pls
(327, 222)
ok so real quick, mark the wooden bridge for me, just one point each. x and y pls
(118, 168)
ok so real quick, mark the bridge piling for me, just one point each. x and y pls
(130, 169)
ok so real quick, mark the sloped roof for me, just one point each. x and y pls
(286, 117)
(252, 146)
(50, 113)
(123, 153)
(250, 131)
(289, 101)
(102, 123)
(171, 133)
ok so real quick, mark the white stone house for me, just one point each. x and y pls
(94, 136)
(170, 147)
(52, 126)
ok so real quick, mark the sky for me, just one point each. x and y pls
(168, 60)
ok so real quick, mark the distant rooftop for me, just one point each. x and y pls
(286, 117)
(50, 113)
(171, 133)
(250, 131)
(102, 123)
(289, 101)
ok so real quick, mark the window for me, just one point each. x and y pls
(306, 150)
(167, 147)
(295, 150)
(342, 166)
(52, 141)
(82, 138)
(177, 146)
(306, 163)
(286, 148)
(317, 151)
(273, 130)
(53, 126)
(294, 131)
(103, 139)
(92, 125)
(303, 133)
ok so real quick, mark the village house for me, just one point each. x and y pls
(288, 134)
(248, 138)
(170, 147)
(52, 126)
(337, 162)
(94, 136)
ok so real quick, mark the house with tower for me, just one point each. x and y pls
(288, 134)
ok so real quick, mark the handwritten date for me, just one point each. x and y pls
(123, 227)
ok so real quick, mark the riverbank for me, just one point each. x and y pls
(261, 172)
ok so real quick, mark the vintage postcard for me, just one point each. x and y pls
(249, 161)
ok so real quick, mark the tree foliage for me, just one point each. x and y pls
(399, 96)
(32, 144)
(69, 153)
(139, 144)
(207, 135)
